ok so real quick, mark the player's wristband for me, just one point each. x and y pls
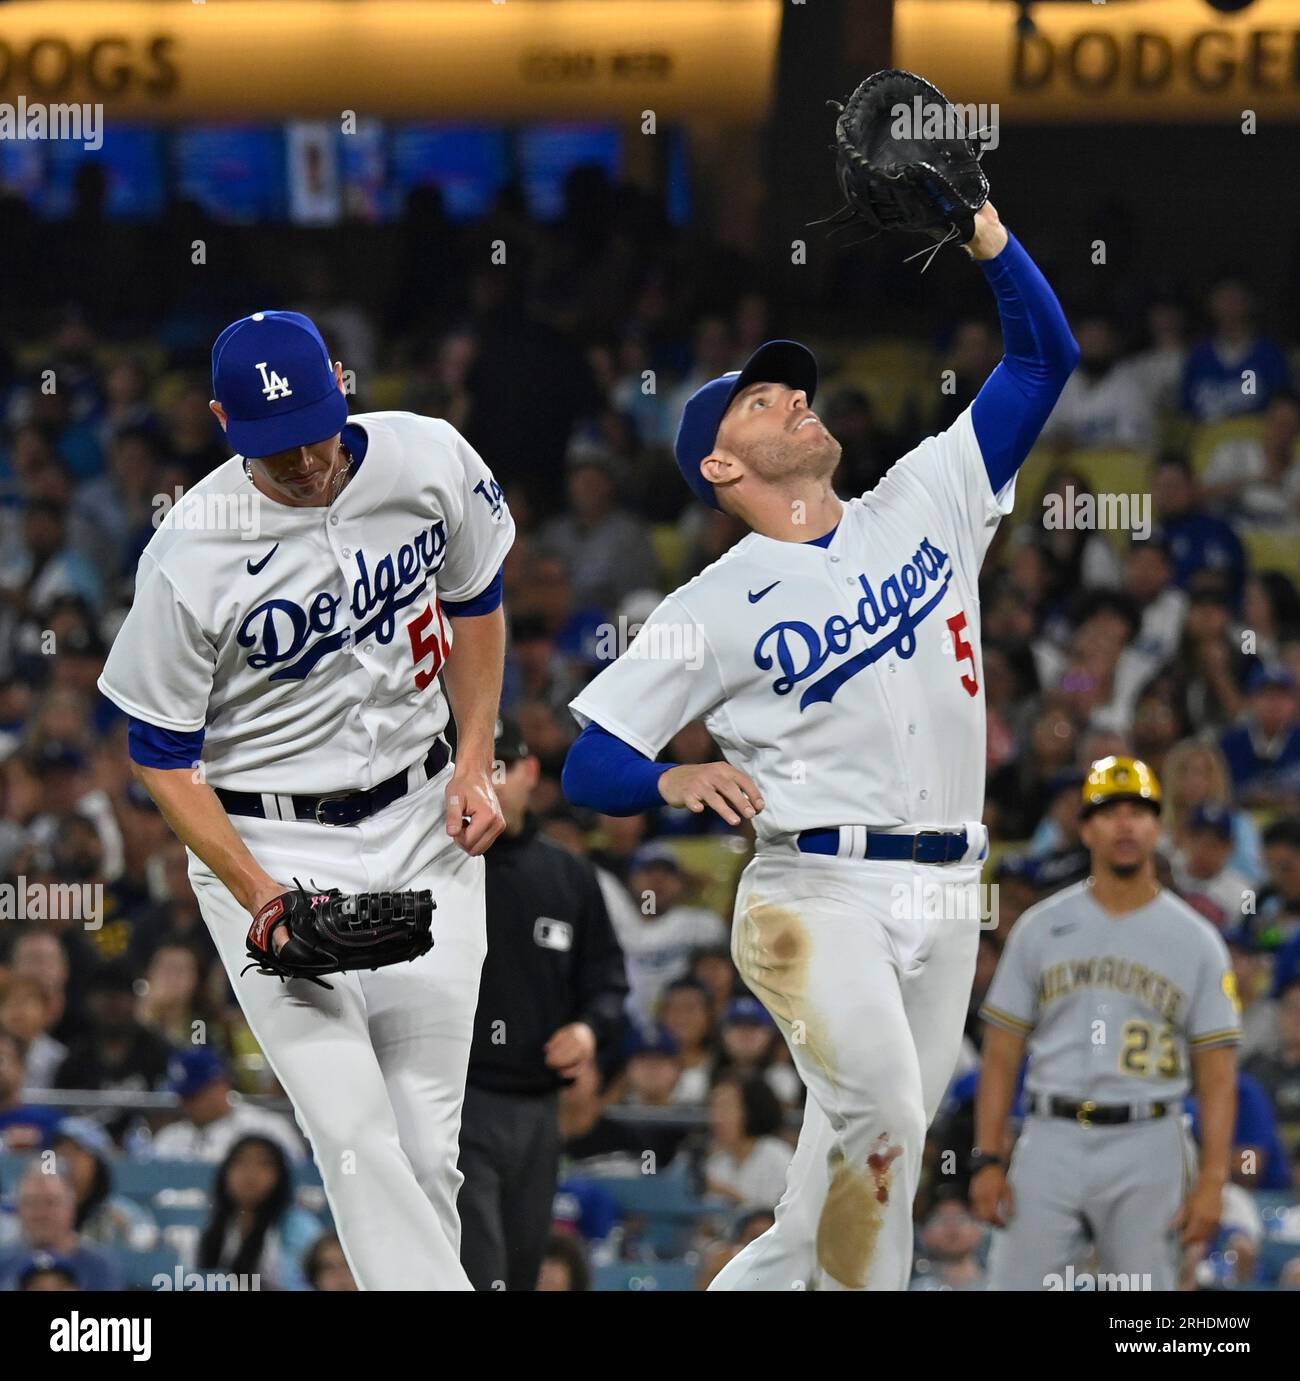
(979, 1159)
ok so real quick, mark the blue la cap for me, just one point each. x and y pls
(657, 1041)
(193, 1070)
(747, 1011)
(273, 376)
(1209, 816)
(777, 362)
(88, 1134)
(39, 1261)
(1270, 676)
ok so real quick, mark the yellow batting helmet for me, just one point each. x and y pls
(1119, 779)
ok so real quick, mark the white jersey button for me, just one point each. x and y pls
(925, 795)
(346, 552)
(334, 519)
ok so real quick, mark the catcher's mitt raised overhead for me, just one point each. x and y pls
(894, 176)
(327, 932)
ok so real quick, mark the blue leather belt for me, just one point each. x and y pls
(855, 841)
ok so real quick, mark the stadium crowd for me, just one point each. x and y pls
(1141, 599)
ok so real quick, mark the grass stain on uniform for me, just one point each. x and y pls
(854, 1213)
(773, 952)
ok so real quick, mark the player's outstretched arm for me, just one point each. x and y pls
(200, 822)
(1040, 352)
(473, 680)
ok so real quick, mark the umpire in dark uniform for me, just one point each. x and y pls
(551, 994)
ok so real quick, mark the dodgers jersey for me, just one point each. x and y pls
(846, 680)
(310, 654)
(1110, 1005)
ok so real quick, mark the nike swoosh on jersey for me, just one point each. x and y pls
(254, 569)
(754, 598)
(1065, 926)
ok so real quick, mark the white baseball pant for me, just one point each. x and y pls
(867, 969)
(375, 1068)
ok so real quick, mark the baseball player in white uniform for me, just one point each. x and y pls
(280, 666)
(834, 656)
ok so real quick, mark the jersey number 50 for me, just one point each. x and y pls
(963, 651)
(435, 644)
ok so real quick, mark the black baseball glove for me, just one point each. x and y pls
(326, 932)
(894, 176)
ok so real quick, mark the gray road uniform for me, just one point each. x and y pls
(1110, 1007)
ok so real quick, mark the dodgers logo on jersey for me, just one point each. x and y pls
(894, 611)
(283, 629)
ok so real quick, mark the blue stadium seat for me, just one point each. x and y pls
(1273, 1255)
(645, 1275)
(140, 1268)
(142, 1179)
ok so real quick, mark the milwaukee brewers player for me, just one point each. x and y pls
(1110, 984)
(291, 618)
(834, 656)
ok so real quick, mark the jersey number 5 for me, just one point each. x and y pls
(435, 644)
(963, 651)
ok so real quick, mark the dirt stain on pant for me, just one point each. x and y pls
(774, 955)
(854, 1213)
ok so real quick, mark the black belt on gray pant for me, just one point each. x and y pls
(1090, 1114)
(339, 807)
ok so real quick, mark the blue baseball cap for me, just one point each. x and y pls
(777, 362)
(656, 1041)
(1269, 676)
(1209, 816)
(193, 1070)
(746, 1011)
(274, 378)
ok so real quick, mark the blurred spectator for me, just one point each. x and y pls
(119, 1052)
(1259, 1033)
(1278, 1071)
(1196, 774)
(1209, 669)
(256, 1231)
(1084, 555)
(47, 1207)
(27, 1012)
(1263, 751)
(711, 966)
(23, 1126)
(868, 449)
(1271, 613)
(213, 1119)
(1236, 370)
(686, 1015)
(608, 548)
(1257, 479)
(949, 1243)
(38, 955)
(747, 1161)
(747, 1228)
(972, 357)
(536, 670)
(1259, 1159)
(1279, 902)
(170, 1002)
(325, 1267)
(103, 1218)
(752, 1048)
(1149, 578)
(1158, 367)
(649, 1076)
(565, 1265)
(659, 931)
(43, 1271)
(1202, 868)
(1102, 405)
(43, 566)
(1019, 794)
(195, 437)
(1197, 539)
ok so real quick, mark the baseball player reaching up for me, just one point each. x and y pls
(1110, 985)
(301, 670)
(834, 655)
